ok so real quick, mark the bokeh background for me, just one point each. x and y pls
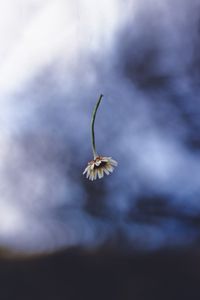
(56, 57)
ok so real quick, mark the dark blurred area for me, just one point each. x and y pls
(100, 275)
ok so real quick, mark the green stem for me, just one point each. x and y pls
(92, 125)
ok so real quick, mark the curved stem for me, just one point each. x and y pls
(92, 125)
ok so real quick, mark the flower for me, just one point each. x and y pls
(98, 166)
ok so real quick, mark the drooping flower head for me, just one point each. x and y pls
(100, 164)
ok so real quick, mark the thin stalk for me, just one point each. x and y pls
(92, 126)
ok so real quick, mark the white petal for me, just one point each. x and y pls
(109, 168)
(105, 159)
(101, 172)
(113, 162)
(88, 172)
(86, 169)
(91, 175)
(95, 174)
(106, 171)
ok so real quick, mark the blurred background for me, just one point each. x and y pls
(135, 234)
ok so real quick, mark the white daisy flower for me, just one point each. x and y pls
(100, 164)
